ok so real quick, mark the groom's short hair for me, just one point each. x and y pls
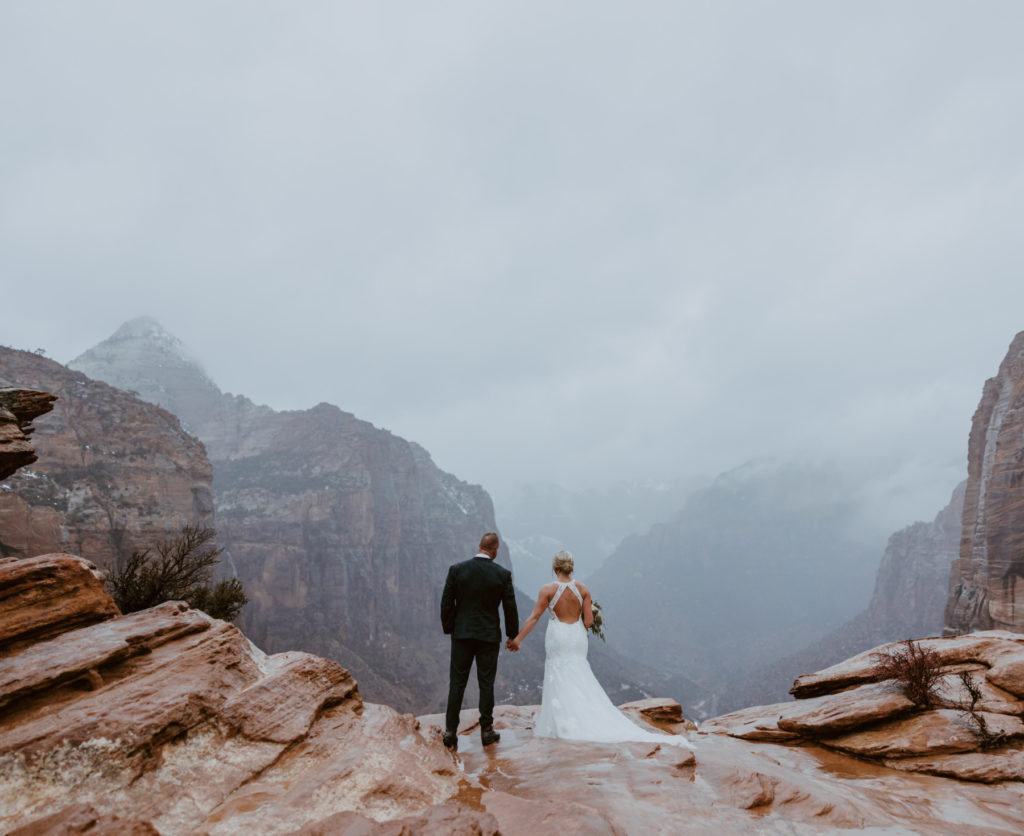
(488, 541)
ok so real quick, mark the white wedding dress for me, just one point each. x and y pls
(574, 706)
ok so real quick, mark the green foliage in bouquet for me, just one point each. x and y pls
(597, 628)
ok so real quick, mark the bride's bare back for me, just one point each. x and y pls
(568, 607)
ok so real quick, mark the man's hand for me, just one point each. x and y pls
(512, 645)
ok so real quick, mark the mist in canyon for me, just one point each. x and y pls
(702, 580)
(704, 294)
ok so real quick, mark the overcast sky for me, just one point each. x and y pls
(574, 241)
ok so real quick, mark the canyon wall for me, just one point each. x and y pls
(341, 533)
(987, 581)
(114, 473)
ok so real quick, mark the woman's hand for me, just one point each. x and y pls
(513, 644)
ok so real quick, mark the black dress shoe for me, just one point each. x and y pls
(450, 739)
(488, 735)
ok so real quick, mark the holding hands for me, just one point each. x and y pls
(513, 644)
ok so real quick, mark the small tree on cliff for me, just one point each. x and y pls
(180, 570)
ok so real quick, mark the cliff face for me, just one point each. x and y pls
(908, 602)
(987, 581)
(18, 408)
(341, 533)
(114, 473)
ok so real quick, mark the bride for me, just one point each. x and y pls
(574, 706)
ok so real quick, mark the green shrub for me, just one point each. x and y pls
(180, 570)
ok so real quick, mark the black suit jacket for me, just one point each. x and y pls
(469, 605)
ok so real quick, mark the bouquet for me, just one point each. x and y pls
(597, 628)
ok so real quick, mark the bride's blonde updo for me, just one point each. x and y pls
(562, 562)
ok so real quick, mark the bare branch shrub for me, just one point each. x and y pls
(181, 570)
(915, 669)
(988, 738)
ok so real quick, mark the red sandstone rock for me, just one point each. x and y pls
(18, 408)
(1004, 764)
(826, 716)
(25, 404)
(83, 818)
(662, 713)
(88, 650)
(760, 722)
(990, 648)
(535, 785)
(1008, 674)
(48, 595)
(15, 449)
(443, 819)
(167, 720)
(932, 733)
(994, 699)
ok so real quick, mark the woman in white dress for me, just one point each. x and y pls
(574, 706)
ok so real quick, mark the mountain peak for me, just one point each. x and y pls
(143, 326)
(136, 339)
(144, 357)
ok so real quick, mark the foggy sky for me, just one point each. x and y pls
(575, 242)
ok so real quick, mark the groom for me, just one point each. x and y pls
(469, 613)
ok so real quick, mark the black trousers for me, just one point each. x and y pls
(464, 651)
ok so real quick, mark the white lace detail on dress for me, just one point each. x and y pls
(562, 586)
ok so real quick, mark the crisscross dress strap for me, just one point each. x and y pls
(561, 588)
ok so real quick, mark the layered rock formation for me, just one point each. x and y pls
(851, 708)
(171, 719)
(114, 473)
(987, 581)
(909, 600)
(168, 722)
(18, 408)
(341, 533)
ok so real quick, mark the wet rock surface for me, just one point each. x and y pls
(167, 721)
(849, 708)
(175, 721)
(535, 785)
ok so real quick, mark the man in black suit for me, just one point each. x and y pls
(469, 613)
